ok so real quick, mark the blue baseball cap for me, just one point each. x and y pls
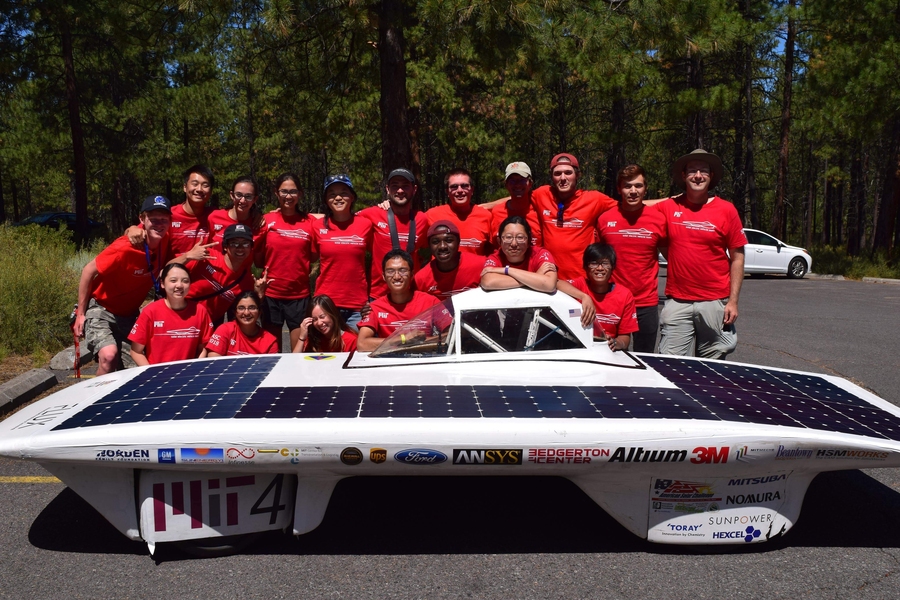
(339, 178)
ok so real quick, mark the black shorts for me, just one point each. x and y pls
(292, 312)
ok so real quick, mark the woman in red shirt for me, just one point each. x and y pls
(242, 334)
(324, 330)
(172, 328)
(517, 263)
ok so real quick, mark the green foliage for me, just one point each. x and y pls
(835, 261)
(37, 289)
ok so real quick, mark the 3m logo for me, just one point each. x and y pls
(710, 454)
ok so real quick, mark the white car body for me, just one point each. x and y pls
(678, 450)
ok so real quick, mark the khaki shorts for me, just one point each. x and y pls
(102, 328)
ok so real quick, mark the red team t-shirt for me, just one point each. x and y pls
(467, 275)
(635, 236)
(348, 339)
(474, 226)
(567, 243)
(229, 340)
(342, 260)
(501, 211)
(186, 231)
(386, 317)
(219, 220)
(535, 256)
(124, 276)
(168, 334)
(699, 269)
(213, 275)
(287, 247)
(381, 242)
(616, 313)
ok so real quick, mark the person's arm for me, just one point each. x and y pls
(505, 278)
(493, 203)
(588, 310)
(620, 342)
(262, 284)
(85, 287)
(211, 354)
(737, 279)
(137, 354)
(136, 236)
(366, 341)
(198, 252)
(298, 339)
(204, 353)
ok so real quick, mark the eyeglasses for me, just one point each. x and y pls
(240, 196)
(559, 215)
(288, 192)
(246, 309)
(509, 238)
(244, 244)
(402, 272)
(593, 266)
(461, 186)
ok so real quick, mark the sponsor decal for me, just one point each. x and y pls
(240, 456)
(739, 520)
(166, 455)
(739, 499)
(751, 453)
(45, 416)
(487, 456)
(119, 455)
(420, 456)
(683, 491)
(318, 357)
(378, 455)
(792, 453)
(546, 456)
(683, 527)
(640, 455)
(757, 480)
(202, 455)
(351, 456)
(748, 535)
(851, 454)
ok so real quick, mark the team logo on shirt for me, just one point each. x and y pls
(609, 318)
(631, 233)
(176, 224)
(189, 332)
(344, 240)
(470, 243)
(218, 227)
(383, 315)
(159, 323)
(704, 226)
(296, 234)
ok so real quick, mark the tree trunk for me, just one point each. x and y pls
(615, 160)
(2, 203)
(696, 129)
(779, 222)
(887, 203)
(396, 149)
(82, 230)
(855, 216)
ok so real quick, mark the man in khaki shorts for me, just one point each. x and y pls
(114, 285)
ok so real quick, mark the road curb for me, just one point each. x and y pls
(21, 389)
(881, 280)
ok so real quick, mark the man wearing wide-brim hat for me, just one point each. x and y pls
(706, 262)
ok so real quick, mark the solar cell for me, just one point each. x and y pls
(225, 389)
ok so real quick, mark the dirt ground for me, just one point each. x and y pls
(13, 366)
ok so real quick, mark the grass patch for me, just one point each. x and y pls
(835, 261)
(37, 290)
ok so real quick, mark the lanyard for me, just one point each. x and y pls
(395, 237)
(157, 290)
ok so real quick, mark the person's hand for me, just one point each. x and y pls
(588, 311)
(78, 326)
(200, 252)
(731, 312)
(365, 310)
(546, 268)
(262, 283)
(305, 324)
(385, 204)
(136, 236)
(498, 270)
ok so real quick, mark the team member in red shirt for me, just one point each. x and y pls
(219, 276)
(393, 224)
(450, 271)
(171, 328)
(635, 232)
(609, 306)
(518, 263)
(568, 215)
(287, 248)
(114, 285)
(473, 221)
(519, 184)
(242, 334)
(341, 240)
(706, 262)
(244, 210)
(323, 330)
(399, 305)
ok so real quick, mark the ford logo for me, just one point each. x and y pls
(420, 456)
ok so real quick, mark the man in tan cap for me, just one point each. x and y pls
(519, 184)
(706, 262)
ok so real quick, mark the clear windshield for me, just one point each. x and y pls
(422, 336)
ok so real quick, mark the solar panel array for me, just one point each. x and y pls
(711, 391)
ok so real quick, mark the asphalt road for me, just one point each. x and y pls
(517, 537)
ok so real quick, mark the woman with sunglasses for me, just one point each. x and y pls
(172, 328)
(287, 248)
(609, 306)
(341, 241)
(323, 330)
(517, 263)
(243, 333)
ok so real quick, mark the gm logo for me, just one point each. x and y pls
(167, 455)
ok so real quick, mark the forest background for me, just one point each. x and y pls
(105, 102)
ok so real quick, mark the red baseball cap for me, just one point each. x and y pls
(443, 223)
(563, 159)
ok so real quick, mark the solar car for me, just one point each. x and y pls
(505, 383)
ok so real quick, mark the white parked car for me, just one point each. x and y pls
(766, 254)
